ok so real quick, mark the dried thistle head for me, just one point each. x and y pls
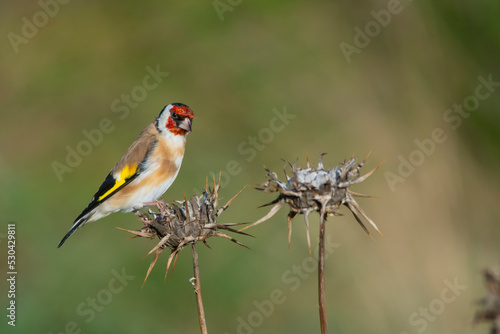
(491, 304)
(317, 189)
(185, 223)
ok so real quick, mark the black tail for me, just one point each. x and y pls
(78, 222)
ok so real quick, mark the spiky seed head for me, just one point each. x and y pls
(317, 189)
(185, 223)
(490, 311)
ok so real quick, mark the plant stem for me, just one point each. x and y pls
(197, 291)
(321, 275)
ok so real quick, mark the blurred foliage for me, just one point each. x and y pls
(440, 223)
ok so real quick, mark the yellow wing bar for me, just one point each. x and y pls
(125, 173)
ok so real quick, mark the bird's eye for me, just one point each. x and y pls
(175, 117)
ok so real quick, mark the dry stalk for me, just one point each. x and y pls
(185, 223)
(323, 191)
(197, 290)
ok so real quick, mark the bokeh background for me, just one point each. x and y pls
(234, 63)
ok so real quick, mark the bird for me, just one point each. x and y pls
(145, 171)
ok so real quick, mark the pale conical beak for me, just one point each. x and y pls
(185, 124)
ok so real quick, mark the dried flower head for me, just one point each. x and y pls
(189, 221)
(317, 189)
(491, 304)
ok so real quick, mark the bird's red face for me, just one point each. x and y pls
(180, 119)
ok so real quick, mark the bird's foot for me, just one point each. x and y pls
(141, 216)
(155, 203)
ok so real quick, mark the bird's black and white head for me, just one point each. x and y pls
(175, 119)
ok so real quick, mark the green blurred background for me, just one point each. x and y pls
(233, 65)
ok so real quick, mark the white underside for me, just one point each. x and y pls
(151, 194)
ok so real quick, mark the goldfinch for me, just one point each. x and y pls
(146, 170)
